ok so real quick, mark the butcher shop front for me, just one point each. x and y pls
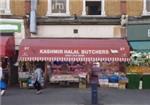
(70, 59)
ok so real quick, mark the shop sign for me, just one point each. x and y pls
(148, 32)
(138, 32)
(78, 52)
(47, 51)
(70, 53)
(6, 27)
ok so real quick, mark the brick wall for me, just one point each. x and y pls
(134, 7)
(112, 7)
(17, 7)
(76, 7)
(42, 7)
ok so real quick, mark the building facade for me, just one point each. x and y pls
(96, 13)
(75, 19)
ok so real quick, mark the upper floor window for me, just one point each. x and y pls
(93, 7)
(146, 7)
(5, 7)
(58, 7)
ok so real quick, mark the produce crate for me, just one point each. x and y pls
(122, 86)
(103, 83)
(23, 83)
(82, 86)
(146, 81)
(133, 81)
(113, 85)
(82, 83)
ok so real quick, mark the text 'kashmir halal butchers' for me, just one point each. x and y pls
(48, 51)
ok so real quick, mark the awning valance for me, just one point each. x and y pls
(74, 50)
(7, 46)
(140, 46)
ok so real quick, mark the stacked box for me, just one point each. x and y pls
(103, 82)
(113, 81)
(113, 85)
(122, 86)
(82, 86)
(24, 85)
(123, 80)
(82, 83)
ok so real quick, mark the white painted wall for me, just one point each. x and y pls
(84, 31)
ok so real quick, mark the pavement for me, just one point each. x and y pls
(75, 96)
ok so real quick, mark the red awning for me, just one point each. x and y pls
(7, 46)
(74, 50)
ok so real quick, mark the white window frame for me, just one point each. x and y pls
(6, 10)
(49, 11)
(102, 8)
(145, 12)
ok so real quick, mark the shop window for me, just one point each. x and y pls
(58, 7)
(5, 7)
(93, 7)
(146, 7)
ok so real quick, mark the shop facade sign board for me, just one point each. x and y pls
(138, 32)
(10, 27)
(74, 50)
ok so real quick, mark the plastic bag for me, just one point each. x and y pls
(3, 85)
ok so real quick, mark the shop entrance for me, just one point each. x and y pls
(60, 73)
(72, 73)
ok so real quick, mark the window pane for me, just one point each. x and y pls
(148, 5)
(58, 6)
(2, 4)
(93, 7)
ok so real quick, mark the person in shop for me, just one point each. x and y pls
(94, 72)
(49, 70)
(38, 75)
(2, 82)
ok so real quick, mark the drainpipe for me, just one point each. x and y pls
(27, 18)
(124, 17)
(33, 28)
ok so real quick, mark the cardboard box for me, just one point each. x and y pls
(122, 86)
(82, 86)
(114, 85)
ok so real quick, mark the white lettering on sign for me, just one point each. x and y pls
(94, 52)
(73, 52)
(47, 51)
(26, 48)
(148, 32)
(114, 51)
(8, 27)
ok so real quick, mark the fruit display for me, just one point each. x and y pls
(138, 69)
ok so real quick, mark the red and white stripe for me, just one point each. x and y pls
(74, 59)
